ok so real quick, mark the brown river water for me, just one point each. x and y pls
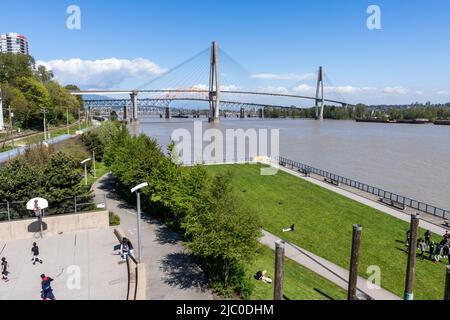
(410, 160)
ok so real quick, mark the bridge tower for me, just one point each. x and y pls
(214, 85)
(134, 106)
(319, 95)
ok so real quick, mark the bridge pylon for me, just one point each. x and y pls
(320, 99)
(214, 85)
(134, 107)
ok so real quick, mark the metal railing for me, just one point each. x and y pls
(405, 201)
(10, 211)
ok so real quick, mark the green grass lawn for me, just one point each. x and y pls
(299, 282)
(324, 220)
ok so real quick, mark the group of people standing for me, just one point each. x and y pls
(46, 288)
(436, 251)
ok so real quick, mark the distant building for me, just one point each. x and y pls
(2, 125)
(13, 43)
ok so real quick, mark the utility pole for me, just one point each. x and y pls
(79, 120)
(354, 263)
(11, 128)
(279, 270)
(412, 249)
(67, 120)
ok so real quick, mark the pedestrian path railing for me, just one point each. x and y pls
(405, 201)
(16, 210)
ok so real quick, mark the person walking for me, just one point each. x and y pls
(35, 254)
(46, 286)
(5, 271)
(428, 237)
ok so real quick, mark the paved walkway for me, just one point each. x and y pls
(327, 269)
(172, 274)
(103, 277)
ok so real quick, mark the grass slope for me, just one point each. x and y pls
(325, 219)
(299, 282)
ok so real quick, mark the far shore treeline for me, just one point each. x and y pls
(361, 111)
(29, 89)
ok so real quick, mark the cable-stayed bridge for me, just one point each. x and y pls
(176, 88)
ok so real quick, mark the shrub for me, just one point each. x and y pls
(114, 219)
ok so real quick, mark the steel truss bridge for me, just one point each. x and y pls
(130, 108)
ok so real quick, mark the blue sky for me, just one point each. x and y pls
(407, 60)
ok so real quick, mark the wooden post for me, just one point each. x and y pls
(447, 284)
(412, 249)
(279, 270)
(354, 263)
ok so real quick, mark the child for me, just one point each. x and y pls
(423, 249)
(432, 248)
(47, 291)
(35, 253)
(5, 271)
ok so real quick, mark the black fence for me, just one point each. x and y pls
(405, 201)
(10, 211)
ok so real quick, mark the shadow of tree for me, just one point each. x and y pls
(165, 235)
(182, 271)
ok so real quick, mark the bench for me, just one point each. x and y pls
(332, 181)
(283, 164)
(393, 203)
(306, 172)
(447, 223)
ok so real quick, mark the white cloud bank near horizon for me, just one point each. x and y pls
(101, 74)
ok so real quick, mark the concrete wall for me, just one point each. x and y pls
(53, 225)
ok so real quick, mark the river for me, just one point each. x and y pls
(410, 160)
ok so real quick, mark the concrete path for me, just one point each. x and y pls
(103, 277)
(327, 269)
(172, 274)
(376, 205)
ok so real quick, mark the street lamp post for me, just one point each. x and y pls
(84, 162)
(138, 196)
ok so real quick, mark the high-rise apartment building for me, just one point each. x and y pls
(13, 43)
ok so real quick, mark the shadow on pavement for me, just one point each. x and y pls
(182, 271)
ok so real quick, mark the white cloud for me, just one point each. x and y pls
(443, 92)
(106, 73)
(272, 89)
(289, 76)
(304, 88)
(396, 90)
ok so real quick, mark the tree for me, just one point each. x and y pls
(43, 75)
(62, 178)
(222, 231)
(38, 99)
